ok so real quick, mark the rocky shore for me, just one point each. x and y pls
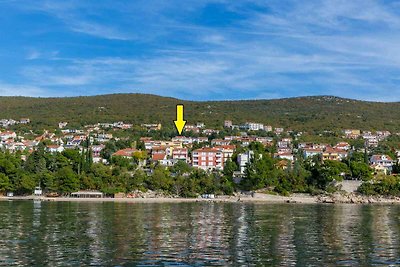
(355, 198)
(337, 198)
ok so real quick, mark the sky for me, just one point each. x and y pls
(201, 49)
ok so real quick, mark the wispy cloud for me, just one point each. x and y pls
(7, 89)
(32, 54)
(220, 49)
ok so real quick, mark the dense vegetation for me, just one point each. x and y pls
(303, 113)
(72, 170)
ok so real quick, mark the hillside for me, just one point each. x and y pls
(302, 113)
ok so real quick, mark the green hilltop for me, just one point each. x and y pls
(300, 113)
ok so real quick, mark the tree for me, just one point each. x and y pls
(260, 173)
(330, 170)
(68, 180)
(48, 182)
(360, 171)
(5, 183)
(137, 181)
(181, 167)
(229, 168)
(160, 180)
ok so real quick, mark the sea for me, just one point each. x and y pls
(40, 233)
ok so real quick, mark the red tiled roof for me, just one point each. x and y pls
(158, 156)
(125, 152)
(226, 147)
(207, 149)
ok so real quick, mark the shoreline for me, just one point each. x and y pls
(338, 198)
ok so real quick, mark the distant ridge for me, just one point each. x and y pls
(299, 113)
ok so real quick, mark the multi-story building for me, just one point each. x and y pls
(227, 151)
(208, 159)
(311, 152)
(382, 161)
(180, 154)
(253, 126)
(371, 141)
(334, 154)
(243, 159)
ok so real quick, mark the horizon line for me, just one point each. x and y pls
(204, 101)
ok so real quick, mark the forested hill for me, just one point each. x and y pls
(302, 113)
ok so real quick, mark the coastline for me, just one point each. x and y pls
(338, 198)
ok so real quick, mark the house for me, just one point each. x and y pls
(208, 159)
(126, 153)
(232, 138)
(253, 126)
(151, 144)
(62, 125)
(268, 128)
(228, 124)
(80, 137)
(8, 135)
(200, 140)
(183, 139)
(96, 150)
(210, 131)
(158, 157)
(227, 151)
(352, 133)
(384, 161)
(243, 159)
(382, 135)
(284, 155)
(278, 130)
(266, 141)
(285, 142)
(73, 143)
(371, 141)
(333, 154)
(152, 127)
(6, 123)
(24, 121)
(103, 138)
(30, 144)
(379, 169)
(55, 148)
(162, 150)
(12, 146)
(200, 125)
(311, 152)
(191, 128)
(220, 142)
(342, 146)
(180, 154)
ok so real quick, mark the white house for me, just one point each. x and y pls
(382, 161)
(243, 159)
(55, 148)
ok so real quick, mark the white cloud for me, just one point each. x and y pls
(285, 48)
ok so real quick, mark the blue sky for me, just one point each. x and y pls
(201, 50)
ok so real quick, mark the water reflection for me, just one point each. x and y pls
(197, 234)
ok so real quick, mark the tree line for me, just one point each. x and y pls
(73, 170)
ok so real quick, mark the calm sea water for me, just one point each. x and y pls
(197, 234)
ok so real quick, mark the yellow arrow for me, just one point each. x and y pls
(179, 123)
